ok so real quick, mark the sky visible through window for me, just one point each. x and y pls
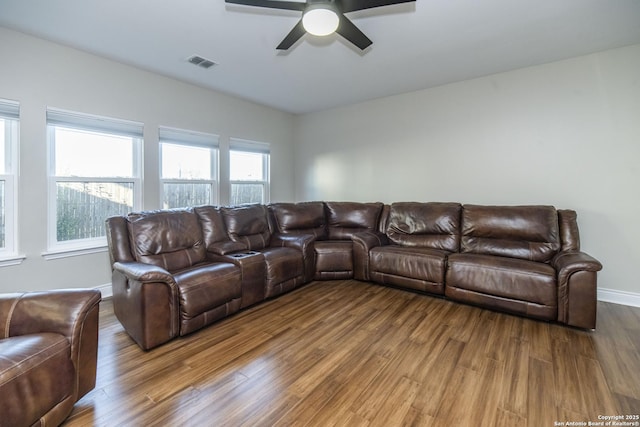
(91, 154)
(185, 162)
(246, 166)
(81, 153)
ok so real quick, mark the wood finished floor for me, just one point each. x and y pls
(349, 353)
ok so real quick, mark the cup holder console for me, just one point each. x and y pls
(244, 254)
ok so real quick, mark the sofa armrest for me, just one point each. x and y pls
(577, 288)
(72, 313)
(567, 263)
(303, 243)
(145, 301)
(144, 272)
(226, 248)
(363, 242)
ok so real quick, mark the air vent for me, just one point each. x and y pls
(200, 61)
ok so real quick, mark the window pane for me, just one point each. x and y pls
(185, 162)
(2, 216)
(246, 166)
(181, 195)
(3, 147)
(83, 207)
(92, 154)
(247, 193)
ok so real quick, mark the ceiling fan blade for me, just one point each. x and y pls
(293, 36)
(353, 5)
(272, 4)
(349, 31)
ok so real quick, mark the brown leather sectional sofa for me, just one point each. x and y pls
(175, 271)
(48, 354)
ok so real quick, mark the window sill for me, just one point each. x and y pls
(67, 253)
(12, 260)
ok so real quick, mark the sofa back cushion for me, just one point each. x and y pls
(430, 225)
(347, 218)
(248, 225)
(171, 239)
(214, 232)
(525, 232)
(300, 218)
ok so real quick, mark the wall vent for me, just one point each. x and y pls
(200, 61)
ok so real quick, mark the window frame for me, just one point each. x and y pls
(96, 124)
(189, 138)
(246, 146)
(10, 114)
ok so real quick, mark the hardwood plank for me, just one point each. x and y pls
(567, 378)
(351, 353)
(542, 409)
(516, 377)
(436, 376)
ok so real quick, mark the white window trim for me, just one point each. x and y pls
(244, 145)
(80, 121)
(189, 138)
(10, 110)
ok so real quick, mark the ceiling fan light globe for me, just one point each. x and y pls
(320, 21)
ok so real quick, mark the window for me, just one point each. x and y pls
(248, 172)
(94, 173)
(188, 168)
(9, 113)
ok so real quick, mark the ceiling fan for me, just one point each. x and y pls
(323, 17)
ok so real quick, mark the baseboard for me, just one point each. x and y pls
(619, 297)
(105, 290)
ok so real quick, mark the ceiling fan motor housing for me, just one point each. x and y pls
(321, 18)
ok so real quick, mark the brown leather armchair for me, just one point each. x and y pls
(48, 354)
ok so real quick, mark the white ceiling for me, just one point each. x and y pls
(415, 45)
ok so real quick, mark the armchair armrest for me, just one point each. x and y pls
(363, 242)
(72, 313)
(303, 243)
(577, 288)
(145, 301)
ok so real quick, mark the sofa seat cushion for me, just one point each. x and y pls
(503, 277)
(391, 264)
(284, 269)
(334, 259)
(36, 374)
(206, 291)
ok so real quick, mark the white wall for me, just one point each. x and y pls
(39, 74)
(565, 133)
